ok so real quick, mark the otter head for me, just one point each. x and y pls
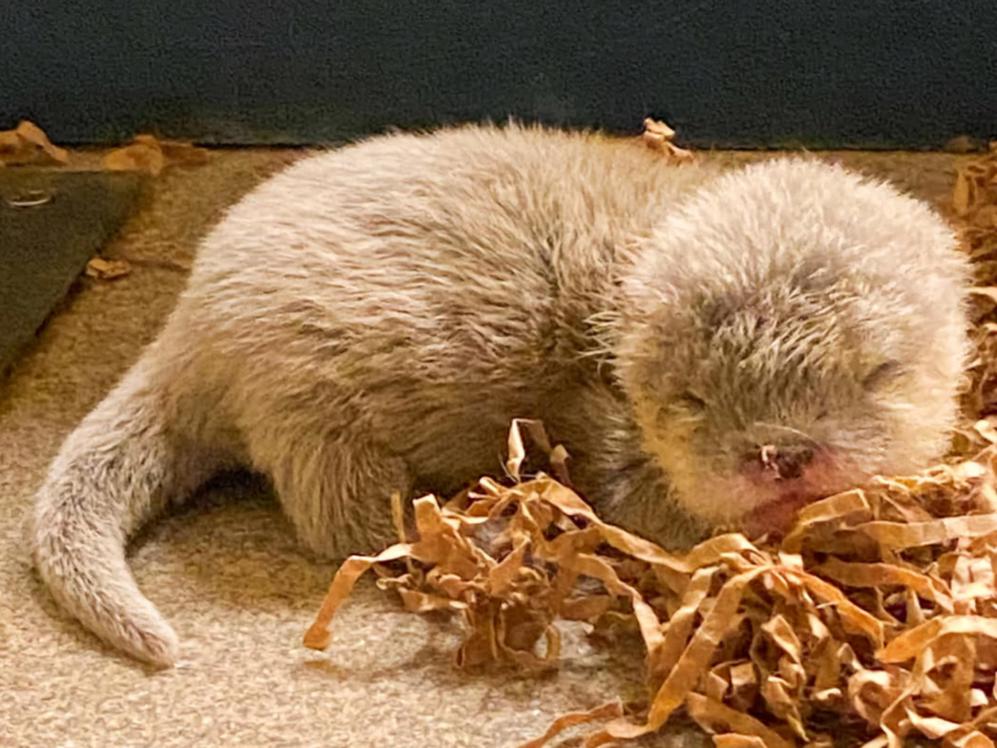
(787, 333)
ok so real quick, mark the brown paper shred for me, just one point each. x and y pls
(912, 643)
(897, 536)
(658, 136)
(102, 269)
(879, 574)
(136, 157)
(349, 572)
(681, 623)
(831, 509)
(27, 143)
(175, 151)
(694, 659)
(148, 154)
(972, 739)
(873, 623)
(710, 714)
(572, 719)
(735, 740)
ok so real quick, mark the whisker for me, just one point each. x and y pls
(789, 429)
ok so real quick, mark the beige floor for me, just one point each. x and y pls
(227, 571)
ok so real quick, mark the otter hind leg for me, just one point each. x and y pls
(336, 490)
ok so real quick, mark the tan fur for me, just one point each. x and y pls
(372, 319)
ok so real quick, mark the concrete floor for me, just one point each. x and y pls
(227, 571)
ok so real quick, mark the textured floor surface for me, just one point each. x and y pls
(227, 572)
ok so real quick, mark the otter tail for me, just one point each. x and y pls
(121, 466)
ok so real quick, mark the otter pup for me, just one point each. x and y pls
(713, 348)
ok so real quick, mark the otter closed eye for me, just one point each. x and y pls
(691, 402)
(884, 374)
(444, 284)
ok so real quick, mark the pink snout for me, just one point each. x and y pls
(775, 516)
(785, 479)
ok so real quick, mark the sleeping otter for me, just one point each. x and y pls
(714, 348)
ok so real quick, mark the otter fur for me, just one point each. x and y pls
(715, 348)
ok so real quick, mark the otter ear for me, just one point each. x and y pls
(882, 375)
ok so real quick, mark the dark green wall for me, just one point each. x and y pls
(724, 72)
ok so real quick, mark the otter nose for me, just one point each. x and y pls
(787, 463)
